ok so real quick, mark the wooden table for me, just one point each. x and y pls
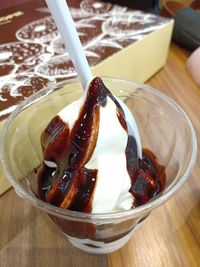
(171, 235)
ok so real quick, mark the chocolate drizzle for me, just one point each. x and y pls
(148, 180)
(70, 184)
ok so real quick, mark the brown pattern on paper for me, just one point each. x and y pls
(32, 54)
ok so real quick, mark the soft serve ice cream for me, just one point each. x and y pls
(90, 159)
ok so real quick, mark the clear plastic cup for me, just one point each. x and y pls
(164, 128)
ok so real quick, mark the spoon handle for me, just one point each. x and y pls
(66, 26)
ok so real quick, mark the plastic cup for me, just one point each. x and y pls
(164, 128)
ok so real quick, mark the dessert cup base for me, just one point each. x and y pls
(100, 247)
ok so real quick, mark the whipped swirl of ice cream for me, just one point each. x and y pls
(108, 157)
(90, 160)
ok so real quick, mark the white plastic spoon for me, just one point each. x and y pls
(66, 26)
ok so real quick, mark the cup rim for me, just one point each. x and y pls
(82, 216)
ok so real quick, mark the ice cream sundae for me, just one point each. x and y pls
(90, 159)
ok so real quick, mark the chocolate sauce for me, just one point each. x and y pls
(70, 185)
(148, 180)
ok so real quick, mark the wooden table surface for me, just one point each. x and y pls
(170, 236)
